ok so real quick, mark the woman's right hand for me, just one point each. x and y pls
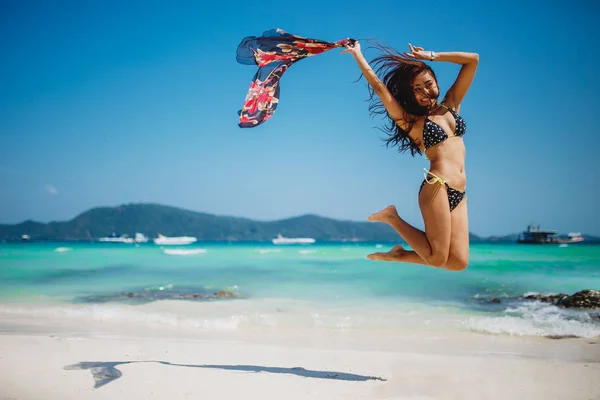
(419, 53)
(352, 49)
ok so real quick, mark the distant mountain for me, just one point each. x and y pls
(474, 238)
(152, 219)
(591, 239)
(502, 239)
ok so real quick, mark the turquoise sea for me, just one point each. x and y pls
(323, 285)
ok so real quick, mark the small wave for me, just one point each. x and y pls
(128, 315)
(183, 252)
(307, 251)
(62, 249)
(537, 319)
(163, 287)
(267, 251)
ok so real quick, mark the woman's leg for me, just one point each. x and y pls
(458, 257)
(433, 245)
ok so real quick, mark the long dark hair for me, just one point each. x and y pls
(397, 72)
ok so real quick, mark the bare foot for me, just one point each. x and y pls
(383, 215)
(395, 254)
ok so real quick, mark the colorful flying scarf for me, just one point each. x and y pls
(274, 52)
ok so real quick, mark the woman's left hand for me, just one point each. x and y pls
(418, 52)
(353, 49)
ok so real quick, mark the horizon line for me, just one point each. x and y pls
(225, 216)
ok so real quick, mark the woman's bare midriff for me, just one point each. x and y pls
(447, 160)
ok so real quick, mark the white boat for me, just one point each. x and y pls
(283, 240)
(174, 240)
(139, 238)
(115, 239)
(574, 238)
(534, 234)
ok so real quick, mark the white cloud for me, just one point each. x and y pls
(51, 189)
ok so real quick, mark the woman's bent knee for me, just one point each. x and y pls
(457, 264)
(437, 260)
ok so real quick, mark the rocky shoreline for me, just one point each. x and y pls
(585, 299)
(588, 299)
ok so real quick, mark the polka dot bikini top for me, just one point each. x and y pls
(434, 134)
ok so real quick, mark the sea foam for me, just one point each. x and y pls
(183, 252)
(537, 319)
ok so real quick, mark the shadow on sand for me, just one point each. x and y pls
(106, 372)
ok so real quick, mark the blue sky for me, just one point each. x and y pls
(103, 103)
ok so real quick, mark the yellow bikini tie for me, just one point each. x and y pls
(436, 179)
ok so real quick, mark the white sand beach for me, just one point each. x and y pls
(54, 360)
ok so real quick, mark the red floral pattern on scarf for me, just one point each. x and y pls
(274, 52)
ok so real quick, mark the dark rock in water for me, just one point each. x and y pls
(487, 300)
(224, 294)
(546, 298)
(187, 296)
(130, 294)
(582, 299)
(492, 300)
(147, 296)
